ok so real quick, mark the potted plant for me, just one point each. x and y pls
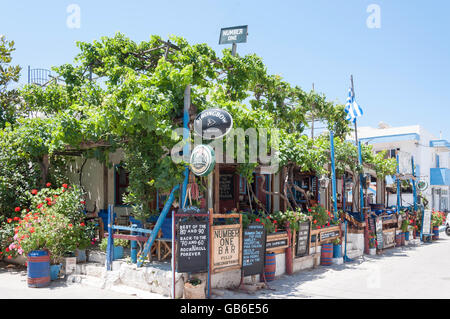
(321, 218)
(405, 228)
(119, 245)
(194, 289)
(337, 248)
(437, 219)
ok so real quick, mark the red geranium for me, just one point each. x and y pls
(48, 184)
(9, 220)
(64, 185)
(17, 209)
(34, 191)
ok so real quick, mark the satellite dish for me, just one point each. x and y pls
(422, 185)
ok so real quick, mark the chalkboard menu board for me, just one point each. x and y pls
(327, 235)
(192, 246)
(426, 225)
(379, 232)
(302, 239)
(253, 251)
(226, 186)
(372, 225)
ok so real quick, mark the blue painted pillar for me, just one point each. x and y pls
(133, 253)
(186, 148)
(398, 185)
(333, 176)
(361, 192)
(110, 245)
(414, 184)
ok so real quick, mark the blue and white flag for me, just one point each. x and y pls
(352, 108)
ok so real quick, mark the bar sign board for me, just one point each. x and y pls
(379, 232)
(233, 35)
(254, 247)
(192, 247)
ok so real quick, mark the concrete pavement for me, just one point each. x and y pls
(405, 272)
(13, 285)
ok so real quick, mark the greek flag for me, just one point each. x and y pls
(352, 108)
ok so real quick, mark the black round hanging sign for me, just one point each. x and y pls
(212, 124)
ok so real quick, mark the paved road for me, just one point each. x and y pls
(404, 272)
(13, 285)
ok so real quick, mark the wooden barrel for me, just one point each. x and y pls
(270, 266)
(38, 269)
(326, 254)
(402, 238)
(435, 232)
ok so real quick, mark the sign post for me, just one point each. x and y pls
(233, 35)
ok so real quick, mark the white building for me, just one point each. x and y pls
(431, 159)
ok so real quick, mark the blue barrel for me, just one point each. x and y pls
(117, 252)
(337, 251)
(38, 269)
(407, 235)
(435, 232)
(270, 266)
(54, 271)
(326, 255)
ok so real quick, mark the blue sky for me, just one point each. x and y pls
(401, 70)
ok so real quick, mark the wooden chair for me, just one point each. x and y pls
(164, 246)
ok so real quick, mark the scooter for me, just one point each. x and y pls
(447, 227)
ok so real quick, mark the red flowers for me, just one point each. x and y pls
(17, 209)
(16, 219)
(83, 202)
(65, 185)
(258, 220)
(70, 225)
(9, 220)
(40, 205)
(32, 230)
(48, 184)
(34, 191)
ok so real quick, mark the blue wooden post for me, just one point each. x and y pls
(346, 258)
(333, 175)
(186, 150)
(133, 253)
(361, 192)
(110, 245)
(414, 184)
(398, 186)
